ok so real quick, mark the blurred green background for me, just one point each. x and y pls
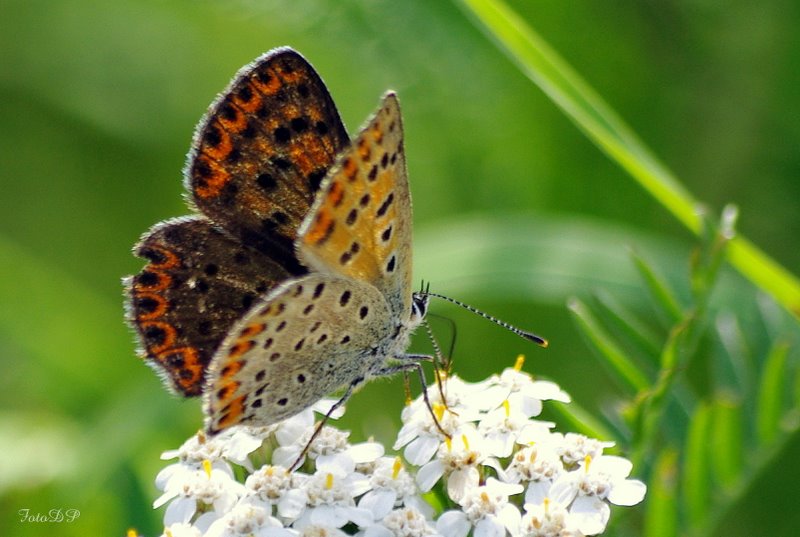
(514, 210)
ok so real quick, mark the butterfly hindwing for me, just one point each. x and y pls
(360, 225)
(308, 338)
(263, 148)
(197, 283)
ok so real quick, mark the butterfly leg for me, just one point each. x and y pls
(318, 429)
(414, 364)
(441, 365)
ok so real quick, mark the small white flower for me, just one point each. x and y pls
(548, 520)
(458, 461)
(293, 436)
(330, 498)
(196, 452)
(273, 486)
(246, 521)
(554, 505)
(513, 383)
(420, 434)
(181, 529)
(606, 478)
(392, 486)
(233, 444)
(207, 489)
(243, 441)
(574, 448)
(319, 531)
(198, 448)
(536, 466)
(487, 509)
(403, 522)
(511, 424)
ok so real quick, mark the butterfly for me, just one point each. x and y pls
(293, 278)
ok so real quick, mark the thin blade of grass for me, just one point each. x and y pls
(696, 479)
(620, 364)
(771, 394)
(662, 502)
(661, 292)
(726, 441)
(606, 129)
(625, 321)
(581, 421)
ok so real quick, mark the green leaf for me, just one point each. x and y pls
(659, 289)
(696, 478)
(662, 497)
(582, 421)
(726, 441)
(614, 312)
(796, 394)
(624, 368)
(771, 395)
(609, 132)
(711, 254)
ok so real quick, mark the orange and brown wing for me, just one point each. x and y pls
(262, 150)
(360, 225)
(197, 283)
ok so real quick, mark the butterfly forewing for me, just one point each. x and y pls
(308, 338)
(197, 283)
(360, 225)
(262, 150)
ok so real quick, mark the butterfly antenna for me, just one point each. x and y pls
(530, 336)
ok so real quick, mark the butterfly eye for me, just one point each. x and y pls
(419, 305)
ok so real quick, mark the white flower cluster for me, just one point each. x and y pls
(497, 472)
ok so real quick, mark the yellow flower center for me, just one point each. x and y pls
(396, 467)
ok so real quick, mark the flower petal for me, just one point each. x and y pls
(429, 474)
(489, 527)
(181, 510)
(420, 450)
(453, 524)
(628, 492)
(380, 502)
(589, 514)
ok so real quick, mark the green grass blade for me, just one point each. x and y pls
(661, 292)
(607, 130)
(619, 362)
(726, 441)
(766, 273)
(696, 479)
(662, 497)
(796, 390)
(625, 321)
(771, 394)
(580, 420)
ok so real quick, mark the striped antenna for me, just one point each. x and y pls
(530, 336)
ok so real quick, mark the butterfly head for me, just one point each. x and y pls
(419, 307)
